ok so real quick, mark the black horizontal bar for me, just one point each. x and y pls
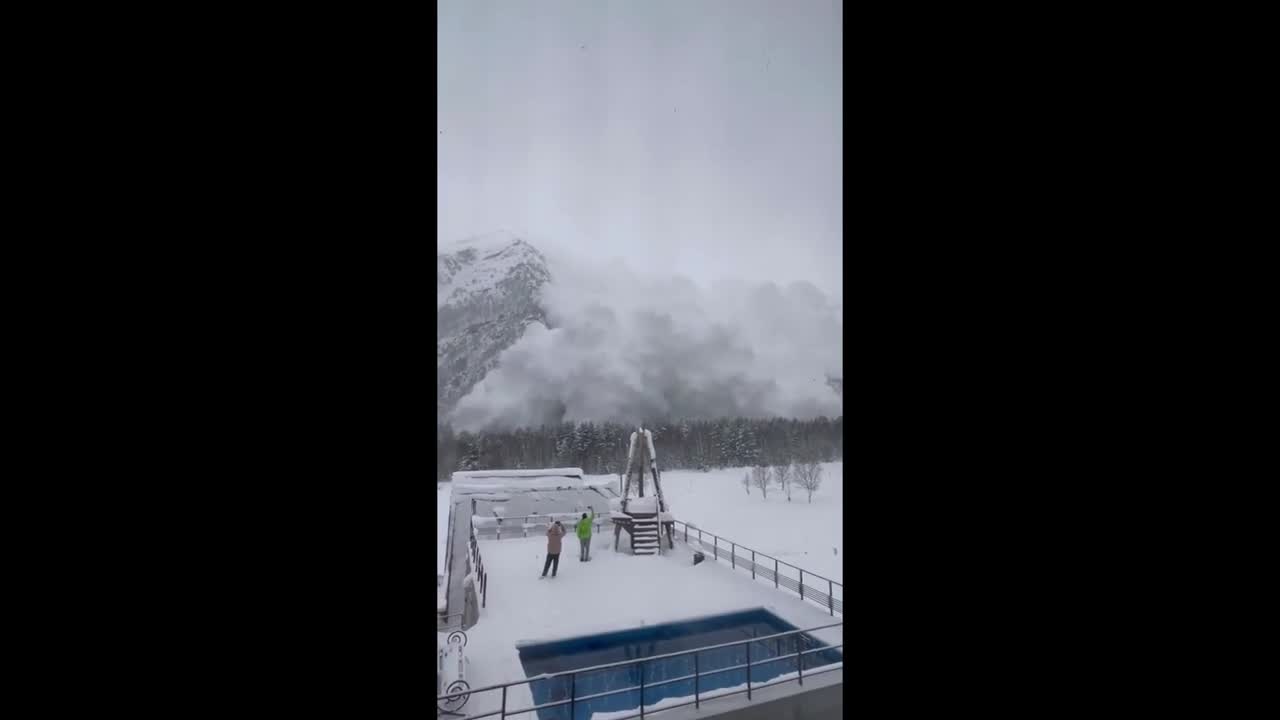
(632, 688)
(539, 707)
(668, 682)
(705, 673)
(825, 647)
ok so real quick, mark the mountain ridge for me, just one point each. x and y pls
(488, 290)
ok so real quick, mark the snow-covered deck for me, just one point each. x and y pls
(614, 591)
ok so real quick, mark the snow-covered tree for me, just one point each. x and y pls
(760, 478)
(747, 449)
(684, 444)
(746, 482)
(469, 458)
(809, 477)
(782, 474)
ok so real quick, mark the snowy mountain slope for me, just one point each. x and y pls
(519, 347)
(488, 290)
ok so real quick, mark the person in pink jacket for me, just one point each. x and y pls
(554, 533)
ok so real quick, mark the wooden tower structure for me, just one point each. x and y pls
(643, 517)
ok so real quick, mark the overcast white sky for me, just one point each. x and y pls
(698, 137)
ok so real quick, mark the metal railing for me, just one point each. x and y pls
(697, 675)
(474, 560)
(477, 562)
(807, 584)
(522, 529)
(448, 568)
(721, 548)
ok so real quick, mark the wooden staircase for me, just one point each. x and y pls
(640, 516)
(644, 533)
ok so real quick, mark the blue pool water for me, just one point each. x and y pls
(648, 641)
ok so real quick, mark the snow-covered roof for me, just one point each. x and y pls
(527, 473)
(525, 481)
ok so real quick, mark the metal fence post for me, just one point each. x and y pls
(696, 704)
(749, 668)
(499, 528)
(504, 701)
(775, 573)
(686, 533)
(642, 689)
(715, 545)
(800, 660)
(573, 691)
(801, 582)
(831, 599)
(753, 564)
(733, 555)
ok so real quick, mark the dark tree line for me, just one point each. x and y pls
(601, 448)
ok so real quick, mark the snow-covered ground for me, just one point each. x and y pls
(614, 591)
(619, 590)
(808, 535)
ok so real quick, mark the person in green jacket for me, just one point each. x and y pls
(584, 535)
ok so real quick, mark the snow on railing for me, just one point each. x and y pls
(721, 548)
(519, 526)
(475, 573)
(444, 614)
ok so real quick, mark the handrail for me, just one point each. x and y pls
(448, 562)
(744, 547)
(573, 698)
(542, 515)
(708, 648)
(482, 576)
(800, 584)
(605, 516)
(717, 695)
(599, 518)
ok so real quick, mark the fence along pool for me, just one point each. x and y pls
(717, 668)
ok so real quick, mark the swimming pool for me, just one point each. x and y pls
(590, 650)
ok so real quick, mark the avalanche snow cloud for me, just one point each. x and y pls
(623, 346)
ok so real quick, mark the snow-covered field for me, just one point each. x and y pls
(613, 591)
(621, 590)
(808, 535)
